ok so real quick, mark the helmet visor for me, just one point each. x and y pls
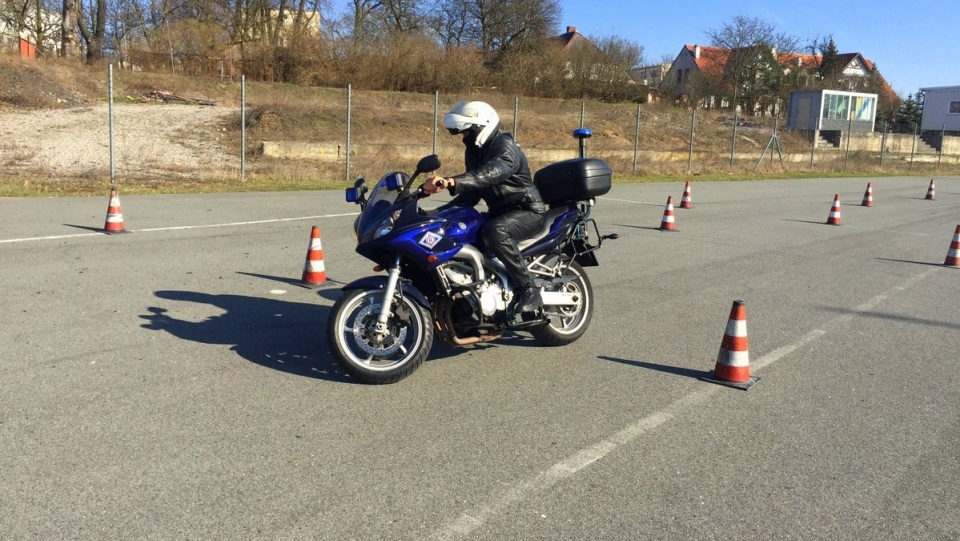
(456, 124)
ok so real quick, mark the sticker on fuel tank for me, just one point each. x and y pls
(430, 239)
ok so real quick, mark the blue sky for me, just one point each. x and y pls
(912, 49)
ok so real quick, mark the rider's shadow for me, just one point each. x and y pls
(282, 335)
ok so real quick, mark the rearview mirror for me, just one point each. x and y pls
(428, 163)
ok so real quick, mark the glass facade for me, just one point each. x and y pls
(842, 106)
(835, 106)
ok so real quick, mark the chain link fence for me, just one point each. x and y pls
(358, 133)
(327, 137)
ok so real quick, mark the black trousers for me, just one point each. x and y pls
(500, 235)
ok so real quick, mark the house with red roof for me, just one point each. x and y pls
(698, 73)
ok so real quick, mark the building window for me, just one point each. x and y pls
(863, 108)
(954, 108)
(836, 107)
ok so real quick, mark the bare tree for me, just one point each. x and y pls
(69, 43)
(748, 67)
(92, 23)
(33, 19)
(496, 26)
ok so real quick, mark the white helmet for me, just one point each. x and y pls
(475, 116)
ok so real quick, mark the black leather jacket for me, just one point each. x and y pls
(498, 174)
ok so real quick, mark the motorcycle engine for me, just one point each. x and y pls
(490, 293)
(491, 298)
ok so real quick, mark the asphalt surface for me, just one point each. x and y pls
(174, 382)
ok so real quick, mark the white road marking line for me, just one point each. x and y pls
(468, 522)
(631, 201)
(180, 228)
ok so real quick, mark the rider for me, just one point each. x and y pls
(497, 172)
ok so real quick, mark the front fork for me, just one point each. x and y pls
(393, 278)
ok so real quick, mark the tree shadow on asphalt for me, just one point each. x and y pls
(675, 370)
(277, 334)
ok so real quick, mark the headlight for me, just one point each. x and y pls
(386, 225)
(383, 228)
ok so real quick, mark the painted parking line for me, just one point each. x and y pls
(570, 466)
(178, 228)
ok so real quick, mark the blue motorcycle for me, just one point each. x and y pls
(440, 283)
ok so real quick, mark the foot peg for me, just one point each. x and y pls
(527, 320)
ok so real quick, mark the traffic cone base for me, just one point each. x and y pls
(314, 271)
(114, 222)
(744, 386)
(834, 218)
(953, 254)
(732, 368)
(685, 201)
(667, 222)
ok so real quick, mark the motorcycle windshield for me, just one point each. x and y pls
(381, 210)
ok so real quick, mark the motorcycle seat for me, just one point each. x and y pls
(545, 224)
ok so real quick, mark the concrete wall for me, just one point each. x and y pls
(411, 153)
(897, 142)
(870, 142)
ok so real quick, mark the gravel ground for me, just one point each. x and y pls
(150, 140)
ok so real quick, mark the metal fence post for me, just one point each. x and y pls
(943, 136)
(347, 145)
(733, 146)
(693, 123)
(516, 113)
(243, 128)
(813, 145)
(636, 141)
(913, 147)
(436, 118)
(113, 182)
(846, 155)
(883, 143)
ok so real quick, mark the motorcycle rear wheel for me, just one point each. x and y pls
(567, 323)
(371, 358)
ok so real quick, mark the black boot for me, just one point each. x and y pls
(528, 300)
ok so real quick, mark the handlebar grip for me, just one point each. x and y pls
(439, 183)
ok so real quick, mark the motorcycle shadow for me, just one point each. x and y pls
(274, 333)
(278, 334)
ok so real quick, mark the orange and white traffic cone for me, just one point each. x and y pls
(685, 201)
(114, 223)
(733, 362)
(313, 269)
(953, 254)
(667, 223)
(931, 191)
(834, 218)
(868, 196)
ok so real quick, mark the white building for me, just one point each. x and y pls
(831, 110)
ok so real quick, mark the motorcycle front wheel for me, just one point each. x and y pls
(566, 323)
(373, 357)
